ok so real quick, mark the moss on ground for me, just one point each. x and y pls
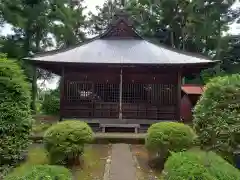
(144, 171)
(94, 163)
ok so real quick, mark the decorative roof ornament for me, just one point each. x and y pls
(121, 26)
(121, 15)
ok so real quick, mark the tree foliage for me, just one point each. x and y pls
(68, 30)
(35, 22)
(230, 55)
(216, 115)
(51, 102)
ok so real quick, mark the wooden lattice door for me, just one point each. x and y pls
(92, 95)
(148, 97)
(79, 98)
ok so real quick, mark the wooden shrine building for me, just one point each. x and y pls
(119, 77)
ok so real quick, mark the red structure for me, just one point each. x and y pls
(190, 95)
(121, 78)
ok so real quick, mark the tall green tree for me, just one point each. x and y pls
(35, 22)
(70, 23)
(231, 54)
(31, 19)
(190, 25)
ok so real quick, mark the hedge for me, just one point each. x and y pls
(196, 165)
(217, 116)
(15, 119)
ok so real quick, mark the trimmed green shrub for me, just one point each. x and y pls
(197, 165)
(15, 113)
(51, 102)
(65, 141)
(164, 137)
(41, 172)
(217, 116)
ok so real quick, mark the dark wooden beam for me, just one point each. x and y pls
(62, 94)
(179, 84)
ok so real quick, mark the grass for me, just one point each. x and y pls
(36, 156)
(94, 162)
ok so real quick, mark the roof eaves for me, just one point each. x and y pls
(192, 89)
(56, 51)
(200, 56)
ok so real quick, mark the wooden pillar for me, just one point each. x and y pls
(179, 90)
(61, 94)
(120, 94)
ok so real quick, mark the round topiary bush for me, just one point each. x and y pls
(217, 116)
(65, 141)
(41, 172)
(197, 165)
(164, 137)
(15, 113)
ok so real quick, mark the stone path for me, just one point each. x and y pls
(122, 166)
